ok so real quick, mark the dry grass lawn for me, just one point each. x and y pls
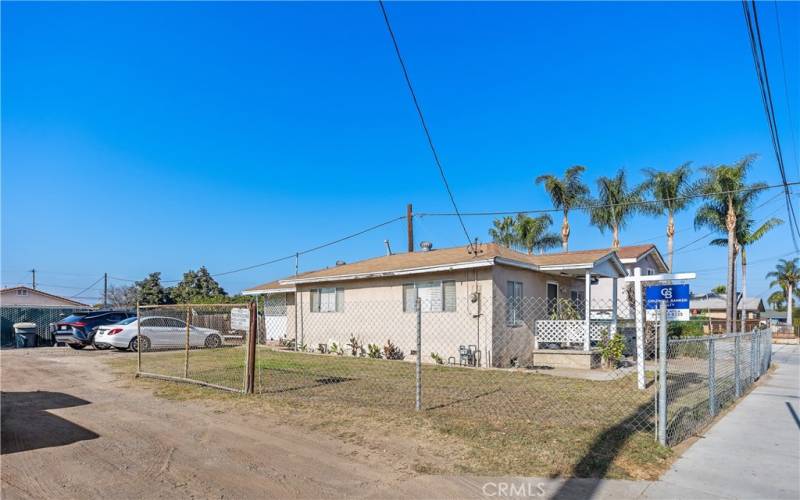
(472, 420)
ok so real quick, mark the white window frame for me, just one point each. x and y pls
(426, 306)
(330, 307)
(22, 293)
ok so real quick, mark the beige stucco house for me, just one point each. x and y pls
(26, 296)
(490, 299)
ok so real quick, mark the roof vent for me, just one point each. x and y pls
(426, 246)
(340, 262)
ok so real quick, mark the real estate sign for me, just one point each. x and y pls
(677, 298)
(240, 318)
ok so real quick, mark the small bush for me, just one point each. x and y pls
(438, 359)
(335, 349)
(391, 351)
(611, 349)
(374, 351)
(356, 347)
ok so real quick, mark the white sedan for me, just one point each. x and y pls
(158, 332)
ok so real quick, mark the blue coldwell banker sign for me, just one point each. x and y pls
(677, 297)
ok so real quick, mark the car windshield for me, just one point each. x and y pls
(127, 321)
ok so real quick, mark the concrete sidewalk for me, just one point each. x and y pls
(753, 451)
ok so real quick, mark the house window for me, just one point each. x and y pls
(514, 303)
(327, 299)
(651, 271)
(552, 297)
(22, 292)
(435, 296)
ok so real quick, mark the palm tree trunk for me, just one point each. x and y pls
(730, 223)
(744, 289)
(615, 239)
(670, 239)
(789, 290)
(565, 234)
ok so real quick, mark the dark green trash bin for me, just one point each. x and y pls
(25, 334)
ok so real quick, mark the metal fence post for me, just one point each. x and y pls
(712, 378)
(662, 374)
(138, 340)
(188, 327)
(753, 359)
(419, 356)
(252, 332)
(736, 362)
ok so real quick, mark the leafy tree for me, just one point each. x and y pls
(503, 231)
(531, 233)
(719, 289)
(615, 204)
(566, 193)
(786, 276)
(150, 292)
(670, 190)
(728, 196)
(196, 286)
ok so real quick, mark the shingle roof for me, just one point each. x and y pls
(45, 294)
(452, 256)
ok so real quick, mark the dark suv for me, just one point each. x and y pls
(77, 330)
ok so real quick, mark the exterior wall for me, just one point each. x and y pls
(10, 298)
(515, 344)
(373, 313)
(601, 291)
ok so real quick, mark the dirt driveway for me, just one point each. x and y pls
(72, 429)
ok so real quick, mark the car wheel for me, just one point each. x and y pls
(213, 341)
(134, 345)
(77, 347)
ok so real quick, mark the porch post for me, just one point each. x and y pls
(613, 307)
(638, 305)
(588, 307)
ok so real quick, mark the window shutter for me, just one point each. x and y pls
(315, 300)
(409, 297)
(449, 293)
(339, 299)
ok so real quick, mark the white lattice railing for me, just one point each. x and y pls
(567, 331)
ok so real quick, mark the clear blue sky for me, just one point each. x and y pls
(163, 137)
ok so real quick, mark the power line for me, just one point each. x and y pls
(760, 62)
(786, 87)
(588, 207)
(422, 121)
(88, 287)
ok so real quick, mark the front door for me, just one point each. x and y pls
(275, 316)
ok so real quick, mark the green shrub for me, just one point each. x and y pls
(374, 351)
(611, 349)
(356, 348)
(438, 359)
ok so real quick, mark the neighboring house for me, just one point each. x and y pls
(26, 296)
(774, 318)
(712, 305)
(649, 261)
(490, 299)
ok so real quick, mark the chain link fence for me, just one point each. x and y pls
(531, 361)
(707, 374)
(45, 318)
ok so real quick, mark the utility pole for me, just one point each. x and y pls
(410, 223)
(33, 279)
(105, 289)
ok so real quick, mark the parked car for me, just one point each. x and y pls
(158, 332)
(78, 329)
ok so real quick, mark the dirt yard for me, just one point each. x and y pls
(78, 425)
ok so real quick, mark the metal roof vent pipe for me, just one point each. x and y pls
(388, 247)
(340, 263)
(426, 246)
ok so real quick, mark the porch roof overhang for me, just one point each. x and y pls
(268, 291)
(607, 266)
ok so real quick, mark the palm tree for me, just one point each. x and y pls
(503, 231)
(746, 236)
(566, 193)
(615, 204)
(670, 191)
(531, 233)
(727, 195)
(787, 276)
(777, 300)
